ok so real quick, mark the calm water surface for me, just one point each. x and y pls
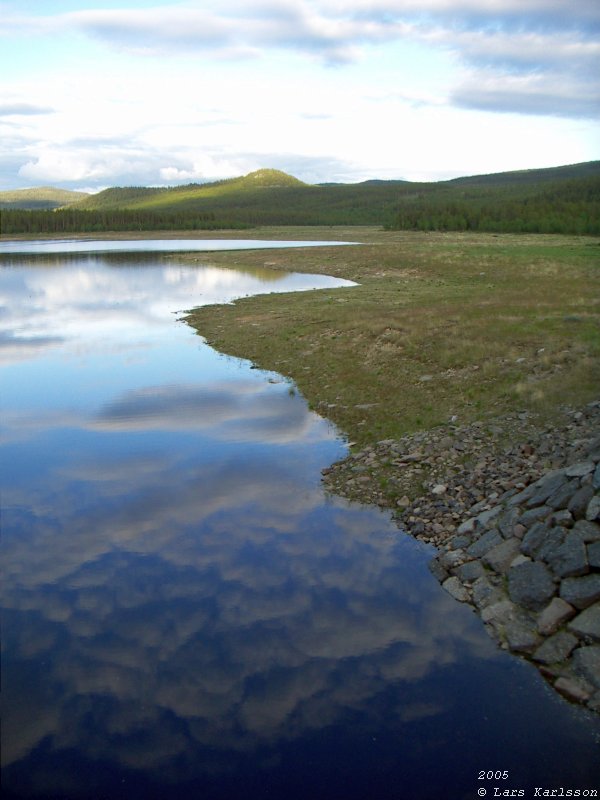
(45, 246)
(185, 613)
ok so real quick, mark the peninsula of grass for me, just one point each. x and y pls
(440, 325)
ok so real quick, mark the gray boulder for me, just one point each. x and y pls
(556, 649)
(534, 539)
(580, 469)
(586, 662)
(546, 487)
(534, 515)
(553, 541)
(593, 510)
(587, 624)
(562, 496)
(484, 519)
(486, 542)
(590, 531)
(531, 585)
(593, 555)
(507, 522)
(554, 615)
(579, 502)
(570, 559)
(485, 594)
(499, 558)
(437, 570)
(455, 588)
(581, 592)
(575, 689)
(521, 635)
(469, 572)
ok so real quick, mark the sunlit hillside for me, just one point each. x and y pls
(40, 197)
(557, 200)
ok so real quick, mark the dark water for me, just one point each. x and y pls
(185, 613)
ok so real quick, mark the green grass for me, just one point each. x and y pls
(441, 324)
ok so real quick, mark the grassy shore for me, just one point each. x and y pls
(441, 325)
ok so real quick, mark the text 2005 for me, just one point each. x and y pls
(493, 776)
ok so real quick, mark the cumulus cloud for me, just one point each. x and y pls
(128, 159)
(529, 94)
(230, 30)
(329, 28)
(198, 167)
(552, 73)
(551, 14)
(23, 109)
(98, 162)
(523, 37)
(527, 57)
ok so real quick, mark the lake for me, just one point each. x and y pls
(186, 613)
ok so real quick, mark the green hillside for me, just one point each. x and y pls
(194, 195)
(265, 197)
(587, 169)
(505, 204)
(41, 197)
(557, 200)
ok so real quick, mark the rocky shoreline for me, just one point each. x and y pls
(514, 510)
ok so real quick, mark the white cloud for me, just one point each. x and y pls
(55, 166)
(528, 94)
(16, 109)
(202, 166)
(243, 85)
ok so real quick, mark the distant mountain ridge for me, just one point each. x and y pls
(149, 198)
(40, 197)
(563, 199)
(584, 169)
(269, 179)
(266, 189)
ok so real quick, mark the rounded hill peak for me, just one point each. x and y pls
(271, 178)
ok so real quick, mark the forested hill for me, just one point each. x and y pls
(257, 186)
(557, 200)
(39, 197)
(563, 200)
(587, 169)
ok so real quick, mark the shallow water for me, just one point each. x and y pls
(45, 246)
(186, 613)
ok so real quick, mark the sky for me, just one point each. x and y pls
(142, 92)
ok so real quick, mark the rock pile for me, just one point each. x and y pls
(514, 508)
(433, 480)
(531, 567)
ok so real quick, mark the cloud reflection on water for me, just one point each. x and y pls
(255, 622)
(179, 594)
(103, 298)
(171, 552)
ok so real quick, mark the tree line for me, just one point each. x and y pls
(566, 206)
(67, 220)
(571, 207)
